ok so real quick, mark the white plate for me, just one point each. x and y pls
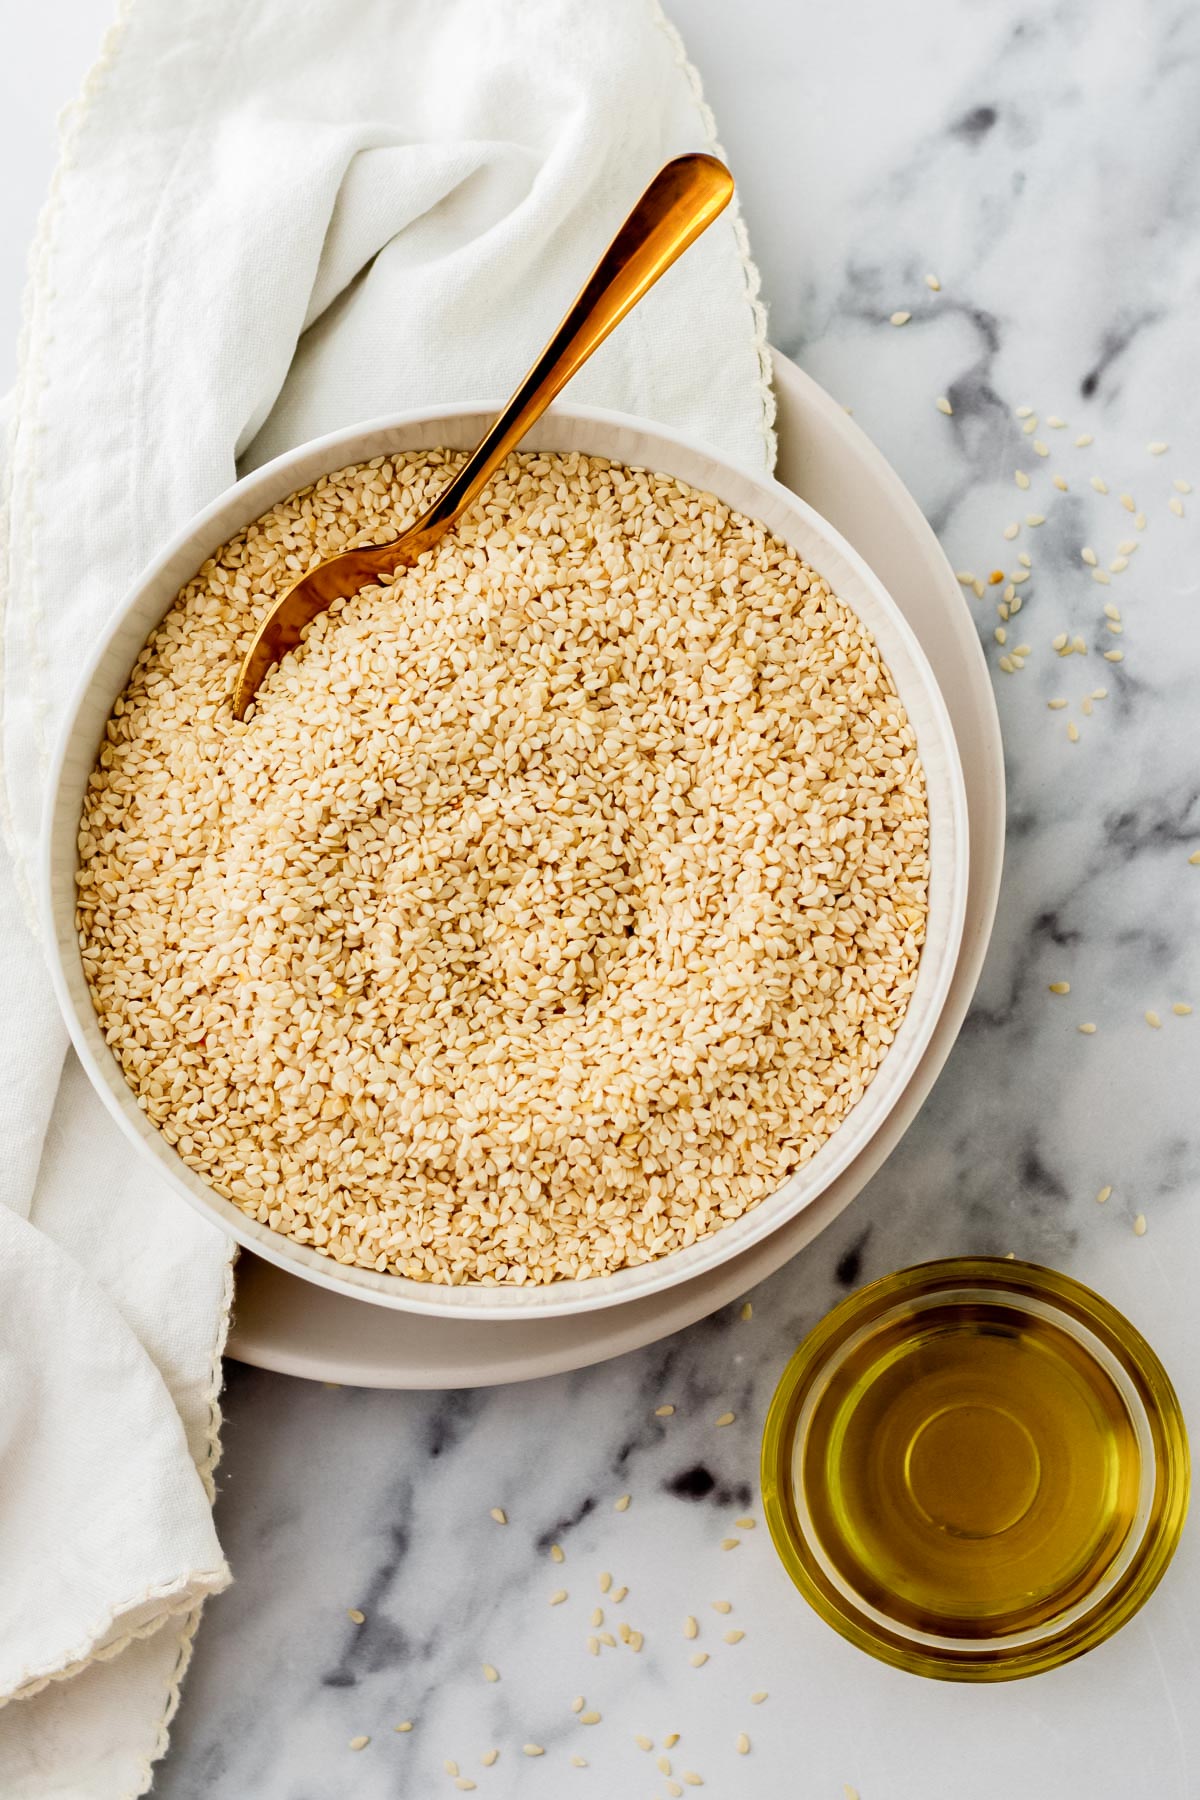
(286, 1324)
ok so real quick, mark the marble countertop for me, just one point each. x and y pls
(1040, 160)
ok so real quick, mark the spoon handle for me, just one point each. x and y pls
(683, 199)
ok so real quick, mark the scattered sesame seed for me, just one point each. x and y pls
(1023, 650)
(673, 1788)
(1104, 1194)
(1088, 555)
(734, 1637)
(1139, 520)
(498, 1513)
(1099, 483)
(663, 1412)
(1153, 1019)
(1002, 609)
(579, 1762)
(690, 1628)
(359, 1743)
(1157, 448)
(722, 1606)
(1085, 707)
(1139, 1225)
(607, 1638)
(1000, 635)
(624, 1632)
(1099, 693)
(1035, 518)
(1010, 531)
(934, 285)
(1078, 645)
(404, 1725)
(1060, 483)
(1087, 1030)
(977, 588)
(1021, 478)
(1115, 626)
(643, 1742)
(692, 1779)
(533, 1749)
(489, 1757)
(1176, 505)
(1019, 575)
(464, 1784)
(1083, 440)
(605, 1581)
(618, 1594)
(1056, 705)
(900, 318)
(730, 1543)
(1127, 546)
(1030, 425)
(848, 1792)
(964, 577)
(1008, 665)
(1114, 656)
(726, 1418)
(1072, 731)
(698, 1658)
(943, 405)
(1059, 642)
(557, 1598)
(356, 1617)
(757, 1699)
(1194, 858)
(1040, 448)
(1102, 576)
(490, 1672)
(589, 1718)
(1024, 412)
(996, 577)
(1060, 987)
(671, 1739)
(636, 1641)
(1128, 502)
(1181, 1009)
(622, 1505)
(1181, 486)
(745, 1523)
(597, 1617)
(663, 1764)
(747, 1311)
(451, 1768)
(1055, 423)
(1119, 564)
(556, 1554)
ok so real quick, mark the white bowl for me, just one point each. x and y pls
(624, 440)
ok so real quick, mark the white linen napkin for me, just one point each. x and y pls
(267, 221)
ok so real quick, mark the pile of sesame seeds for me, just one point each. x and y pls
(553, 904)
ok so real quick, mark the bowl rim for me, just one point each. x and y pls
(178, 561)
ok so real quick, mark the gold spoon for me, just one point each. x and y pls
(684, 197)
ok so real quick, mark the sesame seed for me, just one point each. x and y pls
(746, 1523)
(1059, 642)
(1087, 1030)
(1073, 731)
(1023, 650)
(1102, 576)
(618, 1594)
(589, 1718)
(663, 1764)
(1040, 449)
(663, 1412)
(489, 1757)
(464, 1784)
(1139, 1225)
(943, 405)
(404, 1725)
(556, 1553)
(1139, 520)
(996, 577)
(1056, 705)
(1085, 707)
(726, 1418)
(747, 1310)
(722, 1606)
(607, 1638)
(1088, 555)
(359, 1743)
(1008, 665)
(1104, 1194)
(734, 1637)
(498, 1513)
(1194, 858)
(1127, 546)
(698, 1658)
(1176, 505)
(692, 1779)
(690, 1628)
(932, 282)
(579, 1762)
(1083, 440)
(643, 1742)
(1099, 693)
(1011, 531)
(1157, 448)
(605, 1581)
(1115, 626)
(900, 318)
(1099, 483)
(1153, 1019)
(533, 1749)
(451, 1768)
(1128, 502)
(1055, 423)
(490, 1672)
(1000, 635)
(622, 1505)
(1060, 483)
(1019, 575)
(671, 1739)
(557, 1598)
(848, 1792)
(597, 1617)
(636, 1640)
(1060, 987)
(1119, 564)
(1021, 478)
(964, 577)
(1030, 425)
(1114, 656)
(742, 1744)
(1181, 1009)
(977, 588)
(673, 1789)
(1035, 518)
(1181, 486)
(757, 1699)
(1023, 412)
(730, 1543)
(1078, 645)
(593, 1646)
(355, 1617)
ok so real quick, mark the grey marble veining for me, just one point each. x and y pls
(1042, 160)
